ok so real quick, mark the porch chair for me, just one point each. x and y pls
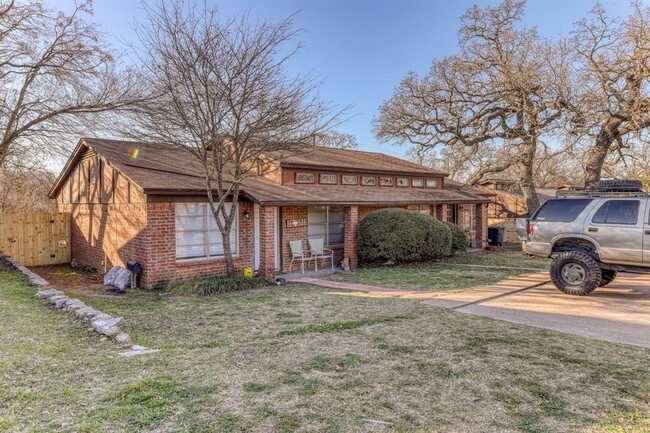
(318, 251)
(297, 253)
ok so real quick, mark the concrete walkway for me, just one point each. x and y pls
(618, 313)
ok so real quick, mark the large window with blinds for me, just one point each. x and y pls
(197, 234)
(326, 222)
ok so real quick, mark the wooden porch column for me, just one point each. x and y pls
(351, 219)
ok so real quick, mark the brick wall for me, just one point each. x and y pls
(105, 235)
(160, 264)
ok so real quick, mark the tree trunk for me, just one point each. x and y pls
(595, 157)
(527, 182)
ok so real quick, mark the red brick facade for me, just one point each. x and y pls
(113, 219)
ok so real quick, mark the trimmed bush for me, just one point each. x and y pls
(215, 285)
(459, 238)
(401, 236)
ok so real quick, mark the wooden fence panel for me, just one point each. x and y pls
(36, 239)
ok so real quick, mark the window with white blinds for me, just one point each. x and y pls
(326, 222)
(197, 234)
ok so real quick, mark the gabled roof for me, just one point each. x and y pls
(160, 169)
(353, 161)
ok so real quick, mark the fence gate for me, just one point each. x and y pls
(36, 239)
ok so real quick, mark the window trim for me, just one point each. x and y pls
(326, 236)
(206, 233)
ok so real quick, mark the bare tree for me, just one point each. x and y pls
(54, 70)
(612, 78)
(24, 189)
(337, 140)
(505, 88)
(224, 93)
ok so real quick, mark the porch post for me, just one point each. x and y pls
(481, 225)
(267, 242)
(351, 218)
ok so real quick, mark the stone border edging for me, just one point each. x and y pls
(101, 322)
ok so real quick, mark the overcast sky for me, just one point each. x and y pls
(363, 48)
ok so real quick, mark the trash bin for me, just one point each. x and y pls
(495, 235)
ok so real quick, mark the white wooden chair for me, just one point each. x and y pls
(298, 253)
(318, 251)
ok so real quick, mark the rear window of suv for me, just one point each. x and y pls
(561, 210)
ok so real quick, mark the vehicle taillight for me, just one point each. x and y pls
(529, 229)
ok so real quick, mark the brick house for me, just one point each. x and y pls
(147, 202)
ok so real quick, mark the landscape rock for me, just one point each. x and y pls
(86, 312)
(53, 299)
(48, 293)
(60, 303)
(108, 326)
(102, 316)
(123, 340)
(74, 304)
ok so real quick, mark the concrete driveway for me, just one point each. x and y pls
(619, 312)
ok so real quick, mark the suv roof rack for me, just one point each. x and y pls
(597, 193)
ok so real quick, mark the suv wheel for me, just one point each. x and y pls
(608, 277)
(575, 273)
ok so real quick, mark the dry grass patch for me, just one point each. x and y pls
(299, 358)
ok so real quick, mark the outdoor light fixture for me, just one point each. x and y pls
(247, 215)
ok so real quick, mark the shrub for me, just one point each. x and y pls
(215, 285)
(459, 238)
(401, 236)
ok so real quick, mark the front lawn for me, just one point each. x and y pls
(462, 271)
(299, 358)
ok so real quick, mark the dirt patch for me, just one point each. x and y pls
(72, 280)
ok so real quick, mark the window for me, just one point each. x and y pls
(420, 208)
(326, 222)
(432, 183)
(617, 212)
(197, 234)
(561, 210)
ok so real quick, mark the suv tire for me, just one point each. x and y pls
(608, 277)
(575, 273)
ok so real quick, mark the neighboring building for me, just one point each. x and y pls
(507, 203)
(147, 203)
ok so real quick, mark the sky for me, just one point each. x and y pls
(362, 49)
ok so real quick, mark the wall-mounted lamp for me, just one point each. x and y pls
(247, 214)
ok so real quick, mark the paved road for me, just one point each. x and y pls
(618, 313)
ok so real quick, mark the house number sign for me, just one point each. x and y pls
(296, 223)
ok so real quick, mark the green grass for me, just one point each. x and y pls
(463, 271)
(299, 358)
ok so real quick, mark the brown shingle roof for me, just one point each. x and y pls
(160, 169)
(353, 160)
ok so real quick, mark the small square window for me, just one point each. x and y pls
(368, 180)
(304, 177)
(432, 183)
(329, 179)
(385, 181)
(349, 180)
(417, 183)
(402, 181)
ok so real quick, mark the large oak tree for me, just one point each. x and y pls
(505, 89)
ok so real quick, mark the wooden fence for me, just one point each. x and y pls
(36, 239)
